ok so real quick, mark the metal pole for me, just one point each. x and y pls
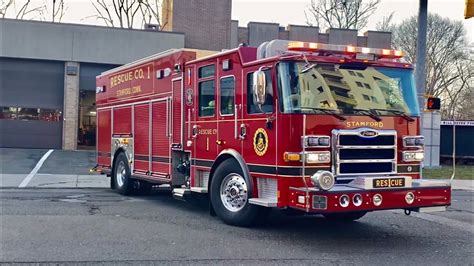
(421, 53)
(420, 73)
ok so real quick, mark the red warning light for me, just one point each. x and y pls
(433, 103)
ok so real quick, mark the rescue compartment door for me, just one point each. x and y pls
(177, 115)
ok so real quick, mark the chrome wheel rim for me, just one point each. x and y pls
(234, 192)
(121, 172)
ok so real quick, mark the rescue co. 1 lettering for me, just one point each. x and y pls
(137, 74)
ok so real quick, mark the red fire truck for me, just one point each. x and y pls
(325, 129)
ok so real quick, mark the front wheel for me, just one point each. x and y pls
(345, 216)
(230, 193)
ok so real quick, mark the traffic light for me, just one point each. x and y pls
(469, 10)
(433, 103)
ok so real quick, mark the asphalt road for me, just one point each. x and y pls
(98, 226)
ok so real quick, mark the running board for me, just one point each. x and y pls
(199, 189)
(262, 202)
(431, 209)
(178, 193)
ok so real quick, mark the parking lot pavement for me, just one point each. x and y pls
(100, 227)
(59, 169)
(19, 161)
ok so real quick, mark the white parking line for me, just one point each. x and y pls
(35, 170)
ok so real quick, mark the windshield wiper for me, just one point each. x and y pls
(369, 112)
(396, 112)
(327, 111)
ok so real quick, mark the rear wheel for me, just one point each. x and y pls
(121, 175)
(345, 216)
(230, 193)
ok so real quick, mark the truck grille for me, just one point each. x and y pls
(365, 151)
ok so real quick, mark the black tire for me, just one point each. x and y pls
(344, 216)
(122, 171)
(248, 214)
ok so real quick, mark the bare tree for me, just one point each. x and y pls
(448, 67)
(5, 5)
(121, 13)
(150, 12)
(343, 14)
(58, 10)
(19, 9)
(386, 23)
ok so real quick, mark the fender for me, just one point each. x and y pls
(231, 153)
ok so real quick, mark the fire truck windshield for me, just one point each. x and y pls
(346, 90)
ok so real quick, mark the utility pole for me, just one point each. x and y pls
(421, 52)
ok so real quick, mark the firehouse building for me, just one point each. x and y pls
(48, 70)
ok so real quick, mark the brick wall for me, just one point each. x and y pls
(205, 23)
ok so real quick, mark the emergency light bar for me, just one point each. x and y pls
(361, 52)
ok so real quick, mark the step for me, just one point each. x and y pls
(199, 189)
(263, 202)
(178, 193)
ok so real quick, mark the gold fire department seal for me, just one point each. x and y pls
(260, 142)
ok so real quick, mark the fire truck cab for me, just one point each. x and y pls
(324, 129)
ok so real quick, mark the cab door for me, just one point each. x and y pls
(259, 144)
(230, 108)
(204, 126)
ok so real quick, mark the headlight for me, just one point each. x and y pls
(318, 157)
(316, 141)
(413, 156)
(413, 141)
(323, 179)
(344, 201)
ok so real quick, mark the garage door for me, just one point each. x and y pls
(31, 102)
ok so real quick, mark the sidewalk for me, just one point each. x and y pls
(463, 184)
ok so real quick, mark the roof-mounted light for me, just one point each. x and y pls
(344, 49)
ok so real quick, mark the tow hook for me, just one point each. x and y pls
(407, 212)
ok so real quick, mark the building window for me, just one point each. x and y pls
(359, 84)
(207, 99)
(374, 99)
(366, 97)
(227, 92)
(367, 86)
(360, 74)
(30, 114)
(267, 107)
(207, 71)
(352, 73)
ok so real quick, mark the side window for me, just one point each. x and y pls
(267, 107)
(207, 102)
(227, 92)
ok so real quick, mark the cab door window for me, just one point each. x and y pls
(207, 101)
(267, 107)
(227, 92)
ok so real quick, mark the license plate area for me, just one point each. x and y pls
(393, 182)
(382, 182)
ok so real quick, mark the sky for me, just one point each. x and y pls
(287, 12)
(292, 11)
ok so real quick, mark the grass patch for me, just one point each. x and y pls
(465, 172)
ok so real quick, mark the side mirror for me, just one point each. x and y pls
(259, 87)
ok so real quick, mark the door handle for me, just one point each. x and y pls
(195, 131)
(243, 131)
